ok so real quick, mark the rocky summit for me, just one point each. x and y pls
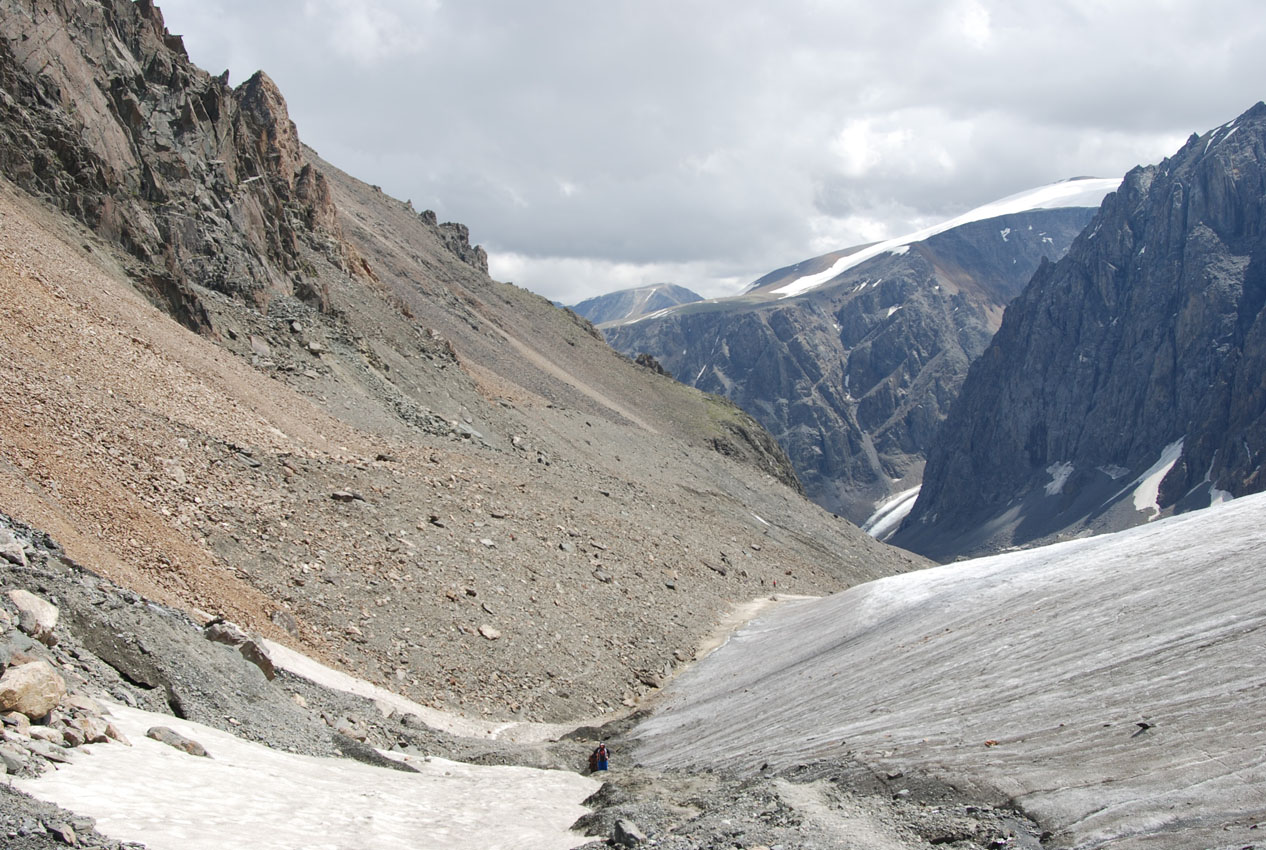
(854, 376)
(1126, 380)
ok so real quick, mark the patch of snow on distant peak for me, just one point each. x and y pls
(1147, 486)
(1218, 497)
(1059, 473)
(1005, 232)
(889, 513)
(1113, 471)
(1082, 192)
(899, 250)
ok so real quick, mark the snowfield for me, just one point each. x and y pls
(247, 795)
(1113, 687)
(1079, 192)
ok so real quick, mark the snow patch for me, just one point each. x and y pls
(314, 671)
(889, 513)
(1147, 486)
(248, 795)
(1004, 233)
(1059, 473)
(894, 308)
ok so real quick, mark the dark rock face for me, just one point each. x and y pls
(1148, 334)
(103, 115)
(853, 378)
(629, 304)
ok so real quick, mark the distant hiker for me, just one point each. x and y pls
(598, 758)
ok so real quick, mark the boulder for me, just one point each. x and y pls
(36, 617)
(626, 834)
(34, 689)
(253, 650)
(172, 738)
(11, 548)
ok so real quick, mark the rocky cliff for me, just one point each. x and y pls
(854, 377)
(1126, 381)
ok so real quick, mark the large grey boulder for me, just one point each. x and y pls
(33, 689)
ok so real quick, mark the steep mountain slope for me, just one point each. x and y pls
(1104, 687)
(628, 304)
(1126, 381)
(370, 450)
(851, 359)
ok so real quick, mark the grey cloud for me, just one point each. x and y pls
(591, 143)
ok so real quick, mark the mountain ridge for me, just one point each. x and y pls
(853, 375)
(1132, 363)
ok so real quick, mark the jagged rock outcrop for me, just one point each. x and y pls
(854, 377)
(1149, 335)
(204, 185)
(628, 304)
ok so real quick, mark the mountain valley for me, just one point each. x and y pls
(314, 534)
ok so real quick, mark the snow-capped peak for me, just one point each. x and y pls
(1077, 192)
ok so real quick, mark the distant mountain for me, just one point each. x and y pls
(852, 358)
(1126, 381)
(628, 304)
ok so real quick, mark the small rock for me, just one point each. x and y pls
(12, 758)
(223, 631)
(36, 617)
(34, 689)
(566, 546)
(48, 734)
(299, 700)
(17, 720)
(258, 346)
(11, 549)
(488, 543)
(255, 652)
(296, 327)
(81, 703)
(73, 735)
(346, 496)
(489, 632)
(114, 734)
(315, 347)
(48, 751)
(602, 576)
(172, 738)
(626, 834)
(63, 832)
(96, 730)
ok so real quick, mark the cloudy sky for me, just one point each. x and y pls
(593, 145)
